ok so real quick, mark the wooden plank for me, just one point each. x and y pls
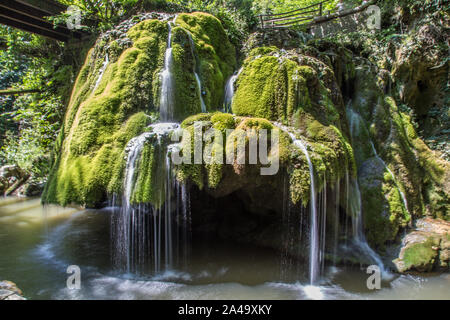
(25, 8)
(10, 92)
(20, 10)
(32, 29)
(49, 7)
(38, 23)
(344, 13)
(308, 7)
(294, 22)
(296, 16)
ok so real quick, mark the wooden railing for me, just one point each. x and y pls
(294, 17)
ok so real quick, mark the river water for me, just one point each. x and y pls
(37, 244)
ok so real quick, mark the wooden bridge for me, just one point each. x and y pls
(308, 16)
(30, 15)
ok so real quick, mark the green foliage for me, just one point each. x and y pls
(29, 123)
(104, 14)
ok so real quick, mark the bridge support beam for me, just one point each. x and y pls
(30, 16)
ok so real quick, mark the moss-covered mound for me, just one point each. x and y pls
(295, 89)
(346, 110)
(117, 93)
(412, 181)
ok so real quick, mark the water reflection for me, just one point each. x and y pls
(39, 243)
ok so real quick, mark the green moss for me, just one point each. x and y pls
(258, 85)
(212, 173)
(282, 89)
(86, 179)
(149, 185)
(378, 226)
(214, 59)
(419, 165)
(201, 117)
(223, 121)
(421, 256)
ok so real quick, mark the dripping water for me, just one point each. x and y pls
(197, 77)
(145, 236)
(356, 123)
(166, 103)
(101, 72)
(229, 91)
(314, 255)
(402, 195)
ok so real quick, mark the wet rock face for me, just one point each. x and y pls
(427, 248)
(9, 291)
(11, 178)
(31, 189)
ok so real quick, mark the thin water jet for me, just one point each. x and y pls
(229, 91)
(314, 254)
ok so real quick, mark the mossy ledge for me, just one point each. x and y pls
(115, 101)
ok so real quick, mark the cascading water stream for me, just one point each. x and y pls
(197, 77)
(101, 72)
(166, 103)
(145, 235)
(314, 254)
(402, 195)
(229, 91)
(356, 122)
(355, 208)
(199, 86)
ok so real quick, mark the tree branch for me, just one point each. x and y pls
(10, 92)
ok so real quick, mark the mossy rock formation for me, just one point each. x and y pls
(337, 103)
(114, 101)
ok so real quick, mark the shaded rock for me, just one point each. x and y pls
(31, 189)
(427, 248)
(384, 214)
(10, 291)
(11, 178)
(11, 171)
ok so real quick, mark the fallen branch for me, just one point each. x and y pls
(11, 92)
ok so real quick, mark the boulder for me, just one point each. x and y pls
(10, 291)
(427, 248)
(31, 189)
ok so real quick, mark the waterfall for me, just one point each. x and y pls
(402, 195)
(354, 204)
(145, 236)
(314, 250)
(229, 91)
(197, 77)
(199, 86)
(166, 103)
(356, 123)
(101, 72)
(337, 192)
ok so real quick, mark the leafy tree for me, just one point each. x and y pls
(29, 123)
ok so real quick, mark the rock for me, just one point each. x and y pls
(10, 291)
(11, 178)
(10, 171)
(427, 248)
(3, 185)
(31, 189)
